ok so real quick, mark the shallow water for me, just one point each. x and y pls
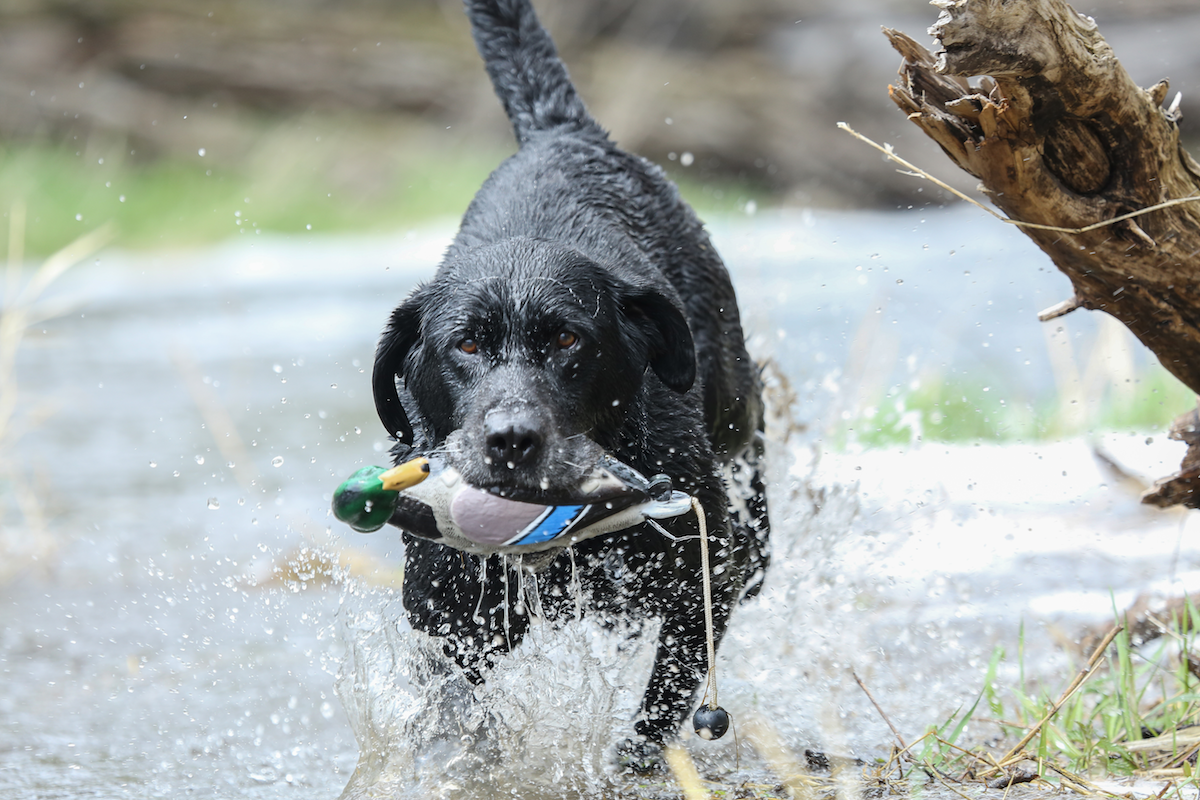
(186, 417)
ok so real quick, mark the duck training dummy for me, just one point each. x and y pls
(429, 498)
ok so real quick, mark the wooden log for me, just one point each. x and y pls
(1059, 134)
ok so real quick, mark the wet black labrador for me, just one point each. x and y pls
(580, 298)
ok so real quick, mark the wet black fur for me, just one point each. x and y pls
(573, 234)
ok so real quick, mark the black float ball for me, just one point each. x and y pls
(710, 722)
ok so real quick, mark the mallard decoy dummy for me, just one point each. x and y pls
(430, 499)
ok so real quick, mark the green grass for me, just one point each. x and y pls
(182, 202)
(1130, 711)
(966, 411)
(299, 180)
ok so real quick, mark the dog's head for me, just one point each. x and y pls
(515, 350)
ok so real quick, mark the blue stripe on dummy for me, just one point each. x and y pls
(551, 526)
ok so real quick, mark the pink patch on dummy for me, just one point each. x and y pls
(487, 519)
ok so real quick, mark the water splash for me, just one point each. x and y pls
(546, 722)
(847, 594)
(550, 716)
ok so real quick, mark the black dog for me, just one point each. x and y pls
(581, 297)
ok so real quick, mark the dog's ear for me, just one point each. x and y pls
(402, 332)
(670, 348)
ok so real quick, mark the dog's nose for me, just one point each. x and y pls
(511, 438)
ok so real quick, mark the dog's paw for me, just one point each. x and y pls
(640, 756)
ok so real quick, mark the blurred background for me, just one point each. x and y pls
(246, 189)
(373, 115)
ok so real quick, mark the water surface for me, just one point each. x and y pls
(186, 417)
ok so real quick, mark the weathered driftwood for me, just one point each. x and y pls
(1058, 134)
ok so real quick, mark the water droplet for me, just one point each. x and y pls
(201, 152)
(241, 501)
(278, 368)
(333, 386)
(213, 503)
(277, 461)
(153, 464)
(357, 429)
(231, 465)
(899, 280)
(199, 459)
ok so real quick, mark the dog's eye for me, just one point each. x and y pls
(469, 346)
(566, 339)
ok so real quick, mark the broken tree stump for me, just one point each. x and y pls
(1059, 134)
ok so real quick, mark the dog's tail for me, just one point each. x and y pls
(527, 74)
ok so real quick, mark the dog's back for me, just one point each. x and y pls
(619, 208)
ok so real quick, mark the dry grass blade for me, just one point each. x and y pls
(63, 260)
(905, 750)
(942, 780)
(16, 251)
(18, 301)
(30, 543)
(871, 697)
(1076, 783)
(766, 741)
(217, 419)
(1171, 741)
(1014, 754)
(685, 773)
(918, 172)
(323, 563)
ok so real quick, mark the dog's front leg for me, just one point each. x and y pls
(472, 602)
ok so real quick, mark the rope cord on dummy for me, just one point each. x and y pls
(710, 720)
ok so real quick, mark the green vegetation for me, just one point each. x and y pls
(967, 410)
(293, 183)
(181, 202)
(1128, 712)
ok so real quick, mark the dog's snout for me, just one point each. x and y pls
(512, 438)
